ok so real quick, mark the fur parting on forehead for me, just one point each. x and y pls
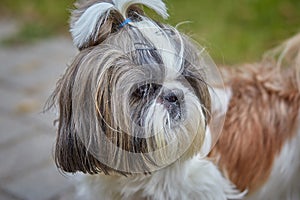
(171, 53)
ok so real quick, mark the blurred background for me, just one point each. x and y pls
(35, 49)
(235, 31)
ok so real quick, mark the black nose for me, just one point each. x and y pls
(172, 101)
(173, 96)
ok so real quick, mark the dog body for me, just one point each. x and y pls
(141, 107)
(259, 146)
(273, 177)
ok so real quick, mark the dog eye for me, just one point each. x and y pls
(149, 89)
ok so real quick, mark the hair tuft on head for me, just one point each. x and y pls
(93, 21)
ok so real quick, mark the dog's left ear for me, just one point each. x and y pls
(93, 21)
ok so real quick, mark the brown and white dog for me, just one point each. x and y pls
(259, 146)
(141, 111)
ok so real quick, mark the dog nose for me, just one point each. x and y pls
(174, 96)
(172, 101)
(171, 97)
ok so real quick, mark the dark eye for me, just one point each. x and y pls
(147, 90)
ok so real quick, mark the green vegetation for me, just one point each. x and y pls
(232, 31)
(39, 18)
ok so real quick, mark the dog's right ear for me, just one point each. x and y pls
(94, 20)
(71, 155)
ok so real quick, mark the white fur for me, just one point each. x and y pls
(284, 181)
(220, 99)
(207, 144)
(172, 58)
(178, 137)
(197, 179)
(86, 25)
(193, 179)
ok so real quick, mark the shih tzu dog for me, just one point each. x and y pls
(142, 113)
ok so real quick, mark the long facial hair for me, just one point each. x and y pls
(133, 101)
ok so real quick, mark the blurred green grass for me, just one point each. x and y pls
(38, 18)
(233, 31)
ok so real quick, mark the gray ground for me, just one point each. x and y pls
(27, 76)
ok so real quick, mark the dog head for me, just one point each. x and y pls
(136, 97)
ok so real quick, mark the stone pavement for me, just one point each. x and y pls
(27, 77)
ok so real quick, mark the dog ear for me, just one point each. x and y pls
(71, 155)
(93, 21)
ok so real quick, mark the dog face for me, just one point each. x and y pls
(134, 103)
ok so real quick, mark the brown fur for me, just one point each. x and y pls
(261, 117)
